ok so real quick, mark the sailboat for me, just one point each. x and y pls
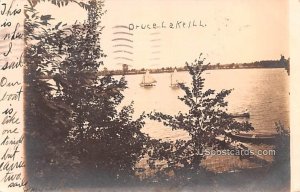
(148, 80)
(175, 80)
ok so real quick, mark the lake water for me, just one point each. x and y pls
(264, 92)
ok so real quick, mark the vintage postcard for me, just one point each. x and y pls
(149, 95)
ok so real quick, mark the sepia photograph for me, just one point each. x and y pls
(149, 95)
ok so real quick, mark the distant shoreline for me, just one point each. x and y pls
(281, 63)
(180, 69)
(272, 64)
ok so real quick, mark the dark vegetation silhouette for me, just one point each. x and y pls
(73, 125)
(206, 122)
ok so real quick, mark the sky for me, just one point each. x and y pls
(235, 31)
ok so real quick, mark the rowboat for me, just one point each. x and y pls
(240, 115)
(255, 138)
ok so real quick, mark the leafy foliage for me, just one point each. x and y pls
(206, 122)
(47, 121)
(76, 116)
(282, 145)
(60, 3)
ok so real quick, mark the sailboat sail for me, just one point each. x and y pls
(175, 79)
(147, 80)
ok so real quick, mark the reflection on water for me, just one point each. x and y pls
(264, 92)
